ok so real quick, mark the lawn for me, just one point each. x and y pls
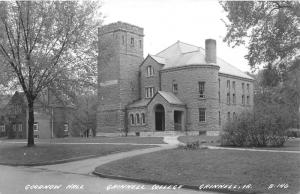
(134, 140)
(204, 166)
(19, 154)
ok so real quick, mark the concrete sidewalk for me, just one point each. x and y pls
(87, 166)
(172, 140)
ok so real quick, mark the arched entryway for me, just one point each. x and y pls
(159, 111)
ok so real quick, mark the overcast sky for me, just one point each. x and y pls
(166, 21)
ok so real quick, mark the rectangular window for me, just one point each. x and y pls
(248, 100)
(228, 116)
(150, 71)
(243, 100)
(219, 118)
(36, 126)
(2, 128)
(66, 127)
(243, 87)
(20, 127)
(201, 89)
(228, 98)
(14, 127)
(228, 84)
(233, 86)
(175, 88)
(149, 92)
(233, 99)
(248, 88)
(201, 114)
(140, 43)
(123, 39)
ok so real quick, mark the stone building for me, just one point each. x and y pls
(183, 88)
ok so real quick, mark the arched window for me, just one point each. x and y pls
(131, 119)
(143, 118)
(150, 71)
(228, 117)
(137, 115)
(234, 116)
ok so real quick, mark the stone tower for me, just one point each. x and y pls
(120, 54)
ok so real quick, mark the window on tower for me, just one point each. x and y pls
(132, 41)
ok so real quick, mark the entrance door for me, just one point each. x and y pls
(178, 120)
(159, 118)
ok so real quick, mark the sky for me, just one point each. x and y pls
(167, 21)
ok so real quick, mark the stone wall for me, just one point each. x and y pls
(152, 81)
(187, 79)
(238, 107)
(118, 73)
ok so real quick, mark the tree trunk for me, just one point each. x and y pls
(30, 124)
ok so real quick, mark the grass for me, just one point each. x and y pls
(19, 154)
(135, 140)
(204, 166)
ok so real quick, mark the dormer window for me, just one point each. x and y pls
(150, 71)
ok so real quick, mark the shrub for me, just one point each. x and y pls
(255, 130)
(293, 133)
(191, 145)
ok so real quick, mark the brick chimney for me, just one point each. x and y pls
(210, 51)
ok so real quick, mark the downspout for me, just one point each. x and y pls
(126, 121)
(52, 122)
(159, 80)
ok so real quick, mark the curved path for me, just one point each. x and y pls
(18, 179)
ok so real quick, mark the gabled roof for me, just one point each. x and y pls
(139, 103)
(183, 54)
(158, 59)
(170, 98)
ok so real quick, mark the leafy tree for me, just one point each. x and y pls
(48, 44)
(269, 28)
(85, 114)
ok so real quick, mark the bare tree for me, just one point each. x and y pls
(48, 43)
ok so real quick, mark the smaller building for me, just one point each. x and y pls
(4, 99)
(52, 117)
